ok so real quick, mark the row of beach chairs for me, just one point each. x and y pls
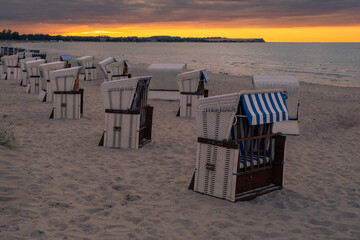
(240, 146)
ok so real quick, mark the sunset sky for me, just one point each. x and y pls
(273, 20)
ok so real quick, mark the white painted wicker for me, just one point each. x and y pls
(3, 68)
(188, 105)
(33, 73)
(88, 67)
(121, 129)
(11, 61)
(215, 118)
(119, 94)
(24, 77)
(104, 66)
(45, 70)
(11, 64)
(189, 82)
(66, 105)
(116, 70)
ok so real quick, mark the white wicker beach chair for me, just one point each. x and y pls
(238, 158)
(2, 69)
(103, 66)
(290, 85)
(67, 96)
(164, 76)
(114, 69)
(45, 70)
(128, 117)
(192, 87)
(33, 74)
(88, 70)
(24, 77)
(13, 71)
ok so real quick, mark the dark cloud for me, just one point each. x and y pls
(269, 13)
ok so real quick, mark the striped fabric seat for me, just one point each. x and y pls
(262, 108)
(255, 160)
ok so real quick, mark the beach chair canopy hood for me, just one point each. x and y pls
(289, 84)
(47, 67)
(123, 90)
(64, 79)
(24, 61)
(10, 61)
(219, 112)
(262, 108)
(84, 59)
(32, 67)
(189, 81)
(103, 64)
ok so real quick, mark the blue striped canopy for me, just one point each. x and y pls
(264, 108)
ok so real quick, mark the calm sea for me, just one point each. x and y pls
(324, 63)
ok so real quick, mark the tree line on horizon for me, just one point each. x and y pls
(10, 35)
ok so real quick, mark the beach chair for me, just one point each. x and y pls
(128, 117)
(88, 70)
(11, 51)
(68, 97)
(67, 60)
(164, 76)
(28, 54)
(39, 55)
(115, 70)
(192, 87)
(33, 74)
(24, 77)
(13, 71)
(238, 156)
(2, 69)
(46, 88)
(290, 85)
(163, 84)
(5, 51)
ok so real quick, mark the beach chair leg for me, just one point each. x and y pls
(81, 101)
(178, 113)
(52, 114)
(149, 117)
(101, 143)
(191, 186)
(279, 161)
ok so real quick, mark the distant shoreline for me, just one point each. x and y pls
(15, 36)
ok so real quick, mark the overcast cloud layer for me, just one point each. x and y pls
(265, 13)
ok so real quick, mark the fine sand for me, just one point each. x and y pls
(56, 183)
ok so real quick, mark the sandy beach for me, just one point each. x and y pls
(56, 183)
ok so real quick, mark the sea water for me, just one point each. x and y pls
(323, 63)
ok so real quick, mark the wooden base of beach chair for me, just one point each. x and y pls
(68, 105)
(123, 130)
(218, 174)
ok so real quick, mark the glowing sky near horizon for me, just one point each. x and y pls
(275, 21)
